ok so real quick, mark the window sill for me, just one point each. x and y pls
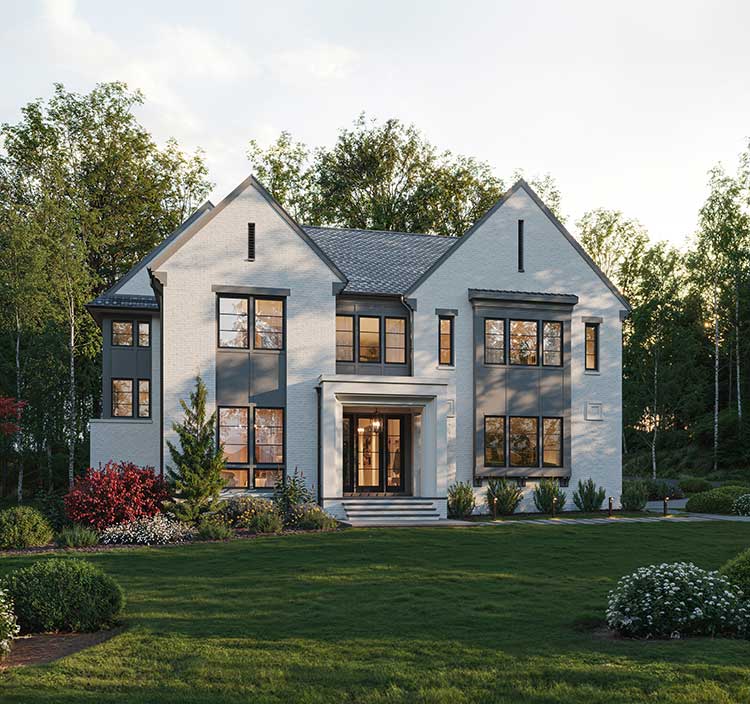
(592, 372)
(446, 367)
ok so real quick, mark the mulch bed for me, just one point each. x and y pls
(42, 648)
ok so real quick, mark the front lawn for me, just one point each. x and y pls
(451, 615)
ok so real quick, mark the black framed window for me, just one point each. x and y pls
(144, 398)
(445, 341)
(494, 341)
(144, 333)
(494, 441)
(523, 443)
(395, 340)
(122, 333)
(122, 398)
(234, 440)
(592, 347)
(524, 342)
(552, 442)
(268, 428)
(369, 339)
(269, 324)
(233, 322)
(552, 333)
(344, 338)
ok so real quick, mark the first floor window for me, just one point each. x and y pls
(494, 341)
(122, 398)
(551, 344)
(445, 343)
(552, 442)
(524, 439)
(524, 341)
(233, 434)
(494, 441)
(122, 333)
(395, 341)
(233, 317)
(369, 339)
(269, 436)
(592, 346)
(269, 324)
(344, 338)
(144, 398)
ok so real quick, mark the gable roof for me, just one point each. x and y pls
(379, 261)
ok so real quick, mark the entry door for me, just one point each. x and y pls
(379, 456)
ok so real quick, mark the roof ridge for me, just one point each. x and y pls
(384, 232)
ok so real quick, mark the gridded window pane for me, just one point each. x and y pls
(269, 435)
(122, 398)
(268, 478)
(395, 341)
(393, 443)
(122, 333)
(494, 341)
(552, 442)
(592, 346)
(233, 322)
(235, 478)
(494, 441)
(345, 338)
(446, 341)
(523, 442)
(233, 434)
(269, 324)
(144, 398)
(523, 342)
(552, 344)
(369, 339)
(144, 334)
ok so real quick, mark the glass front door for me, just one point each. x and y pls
(374, 453)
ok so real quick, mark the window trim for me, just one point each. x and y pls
(138, 334)
(524, 466)
(133, 341)
(112, 397)
(510, 337)
(219, 296)
(451, 319)
(269, 465)
(504, 463)
(379, 360)
(384, 326)
(354, 338)
(586, 367)
(562, 441)
(562, 343)
(254, 300)
(505, 341)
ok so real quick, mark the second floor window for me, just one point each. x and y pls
(494, 341)
(395, 341)
(144, 334)
(269, 324)
(592, 347)
(551, 344)
(445, 342)
(344, 338)
(369, 339)
(233, 322)
(524, 342)
(235, 326)
(122, 333)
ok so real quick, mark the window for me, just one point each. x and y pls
(445, 342)
(269, 435)
(344, 338)
(144, 398)
(520, 245)
(251, 241)
(122, 333)
(552, 442)
(144, 334)
(494, 441)
(269, 324)
(395, 341)
(233, 434)
(524, 342)
(592, 347)
(122, 398)
(494, 341)
(369, 339)
(524, 439)
(551, 344)
(233, 322)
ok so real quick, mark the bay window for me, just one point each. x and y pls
(524, 342)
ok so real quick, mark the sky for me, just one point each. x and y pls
(627, 105)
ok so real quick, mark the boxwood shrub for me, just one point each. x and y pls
(719, 500)
(63, 595)
(23, 527)
(695, 485)
(737, 571)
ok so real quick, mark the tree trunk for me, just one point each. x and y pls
(655, 415)
(716, 377)
(19, 489)
(50, 476)
(737, 347)
(71, 410)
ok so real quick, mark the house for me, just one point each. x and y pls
(384, 365)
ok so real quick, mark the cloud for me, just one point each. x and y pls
(322, 61)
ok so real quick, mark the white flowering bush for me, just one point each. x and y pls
(152, 530)
(675, 600)
(8, 623)
(741, 505)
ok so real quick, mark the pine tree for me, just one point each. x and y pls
(196, 476)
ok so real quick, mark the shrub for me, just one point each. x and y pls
(270, 522)
(719, 500)
(52, 507)
(290, 496)
(460, 500)
(673, 600)
(315, 518)
(153, 530)
(737, 571)
(503, 496)
(695, 485)
(634, 496)
(239, 512)
(8, 624)
(118, 493)
(545, 494)
(658, 489)
(214, 530)
(741, 505)
(587, 497)
(23, 527)
(76, 537)
(63, 595)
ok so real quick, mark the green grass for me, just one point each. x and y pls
(450, 616)
(487, 518)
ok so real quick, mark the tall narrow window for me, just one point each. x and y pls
(592, 347)
(524, 441)
(269, 324)
(494, 441)
(445, 342)
(233, 322)
(551, 344)
(144, 334)
(144, 398)
(344, 338)
(251, 241)
(122, 333)
(552, 442)
(524, 342)
(494, 341)
(520, 245)
(122, 398)
(233, 437)
(369, 339)
(269, 446)
(395, 341)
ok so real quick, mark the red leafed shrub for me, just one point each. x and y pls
(118, 493)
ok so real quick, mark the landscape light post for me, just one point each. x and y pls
(611, 503)
(494, 508)
(666, 505)
(554, 505)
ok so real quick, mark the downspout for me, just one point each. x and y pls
(410, 311)
(319, 394)
(158, 286)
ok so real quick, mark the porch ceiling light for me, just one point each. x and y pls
(376, 421)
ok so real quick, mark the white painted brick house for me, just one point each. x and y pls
(385, 366)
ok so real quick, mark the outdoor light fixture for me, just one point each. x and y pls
(611, 502)
(494, 507)
(376, 422)
(554, 505)
(666, 505)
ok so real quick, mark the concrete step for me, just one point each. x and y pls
(393, 520)
(390, 511)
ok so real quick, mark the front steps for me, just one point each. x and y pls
(402, 510)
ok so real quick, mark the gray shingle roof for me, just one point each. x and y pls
(116, 300)
(379, 261)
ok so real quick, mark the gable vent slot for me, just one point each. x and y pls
(251, 241)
